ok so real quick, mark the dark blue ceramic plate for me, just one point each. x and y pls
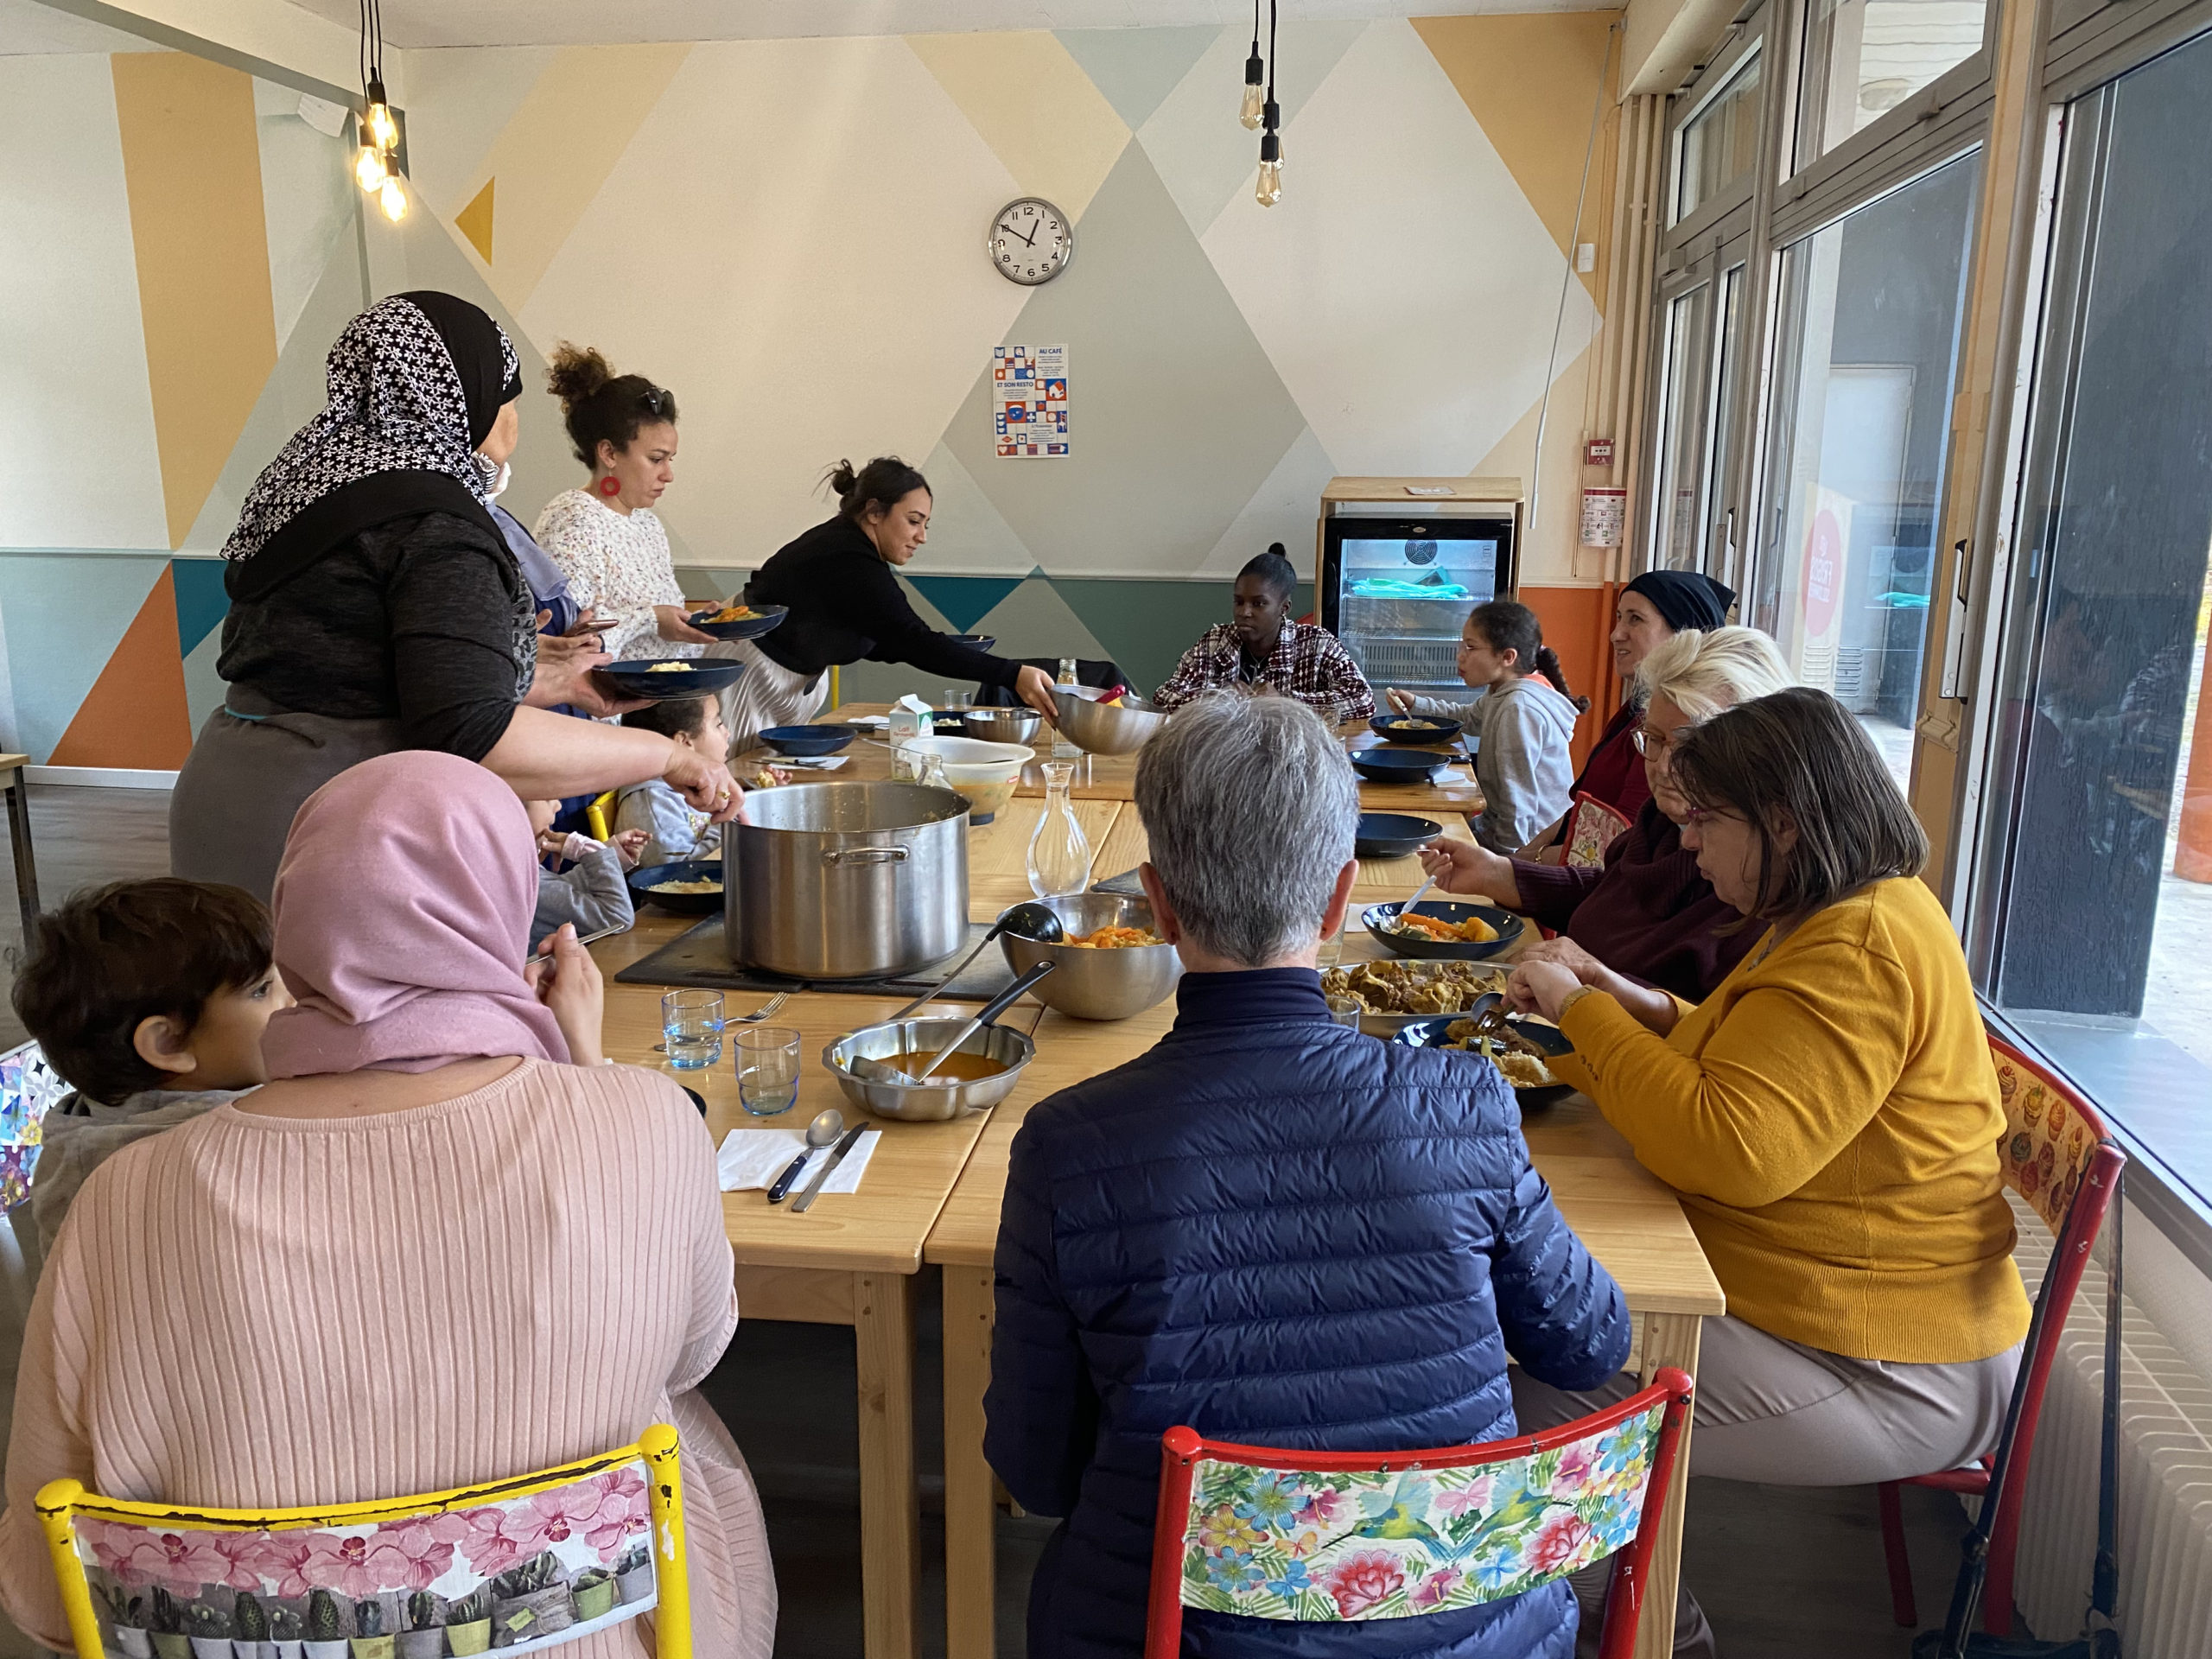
(1429, 1031)
(1398, 765)
(808, 739)
(1413, 728)
(978, 641)
(642, 882)
(764, 618)
(1393, 835)
(659, 683)
(1376, 918)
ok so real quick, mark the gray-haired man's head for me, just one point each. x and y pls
(1250, 808)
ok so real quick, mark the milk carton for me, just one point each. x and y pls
(910, 718)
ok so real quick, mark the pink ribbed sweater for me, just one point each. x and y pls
(251, 1311)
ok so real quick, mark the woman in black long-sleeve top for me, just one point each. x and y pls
(375, 605)
(846, 605)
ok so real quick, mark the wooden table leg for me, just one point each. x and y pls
(890, 1517)
(1668, 1339)
(970, 1513)
(19, 840)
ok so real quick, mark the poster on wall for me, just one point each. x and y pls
(1029, 401)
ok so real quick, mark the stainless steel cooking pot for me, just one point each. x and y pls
(845, 881)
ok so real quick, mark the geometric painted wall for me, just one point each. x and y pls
(789, 234)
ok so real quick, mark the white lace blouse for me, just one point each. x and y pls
(619, 566)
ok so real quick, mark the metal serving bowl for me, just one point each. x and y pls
(1090, 724)
(897, 1040)
(1002, 725)
(1091, 984)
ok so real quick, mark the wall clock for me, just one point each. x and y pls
(1030, 241)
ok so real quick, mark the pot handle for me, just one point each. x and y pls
(864, 855)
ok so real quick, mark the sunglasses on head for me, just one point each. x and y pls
(655, 402)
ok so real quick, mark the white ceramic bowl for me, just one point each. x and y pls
(984, 774)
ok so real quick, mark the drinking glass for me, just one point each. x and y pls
(766, 1058)
(1346, 1011)
(957, 701)
(1063, 747)
(691, 1026)
(1331, 951)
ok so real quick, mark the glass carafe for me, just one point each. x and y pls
(1060, 853)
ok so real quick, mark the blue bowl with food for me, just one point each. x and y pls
(1413, 728)
(1534, 1082)
(1399, 766)
(739, 621)
(1449, 931)
(808, 741)
(695, 887)
(671, 679)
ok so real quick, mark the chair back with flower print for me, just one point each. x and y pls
(520, 1565)
(1317, 1537)
(1591, 827)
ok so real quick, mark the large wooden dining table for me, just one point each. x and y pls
(932, 1192)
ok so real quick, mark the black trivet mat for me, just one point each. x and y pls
(700, 958)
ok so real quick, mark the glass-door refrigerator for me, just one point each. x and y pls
(1395, 579)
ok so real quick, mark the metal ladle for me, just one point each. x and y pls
(877, 1071)
(1029, 919)
(827, 1125)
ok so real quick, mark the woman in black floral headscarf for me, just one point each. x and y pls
(375, 605)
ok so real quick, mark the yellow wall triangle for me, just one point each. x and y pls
(474, 221)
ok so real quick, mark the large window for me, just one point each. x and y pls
(1863, 58)
(2092, 914)
(1686, 423)
(1864, 354)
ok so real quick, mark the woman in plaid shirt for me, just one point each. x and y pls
(1262, 648)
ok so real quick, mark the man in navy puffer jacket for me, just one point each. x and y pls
(1269, 1227)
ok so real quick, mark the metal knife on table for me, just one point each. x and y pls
(836, 1157)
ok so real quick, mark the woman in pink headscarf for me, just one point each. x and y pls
(443, 1247)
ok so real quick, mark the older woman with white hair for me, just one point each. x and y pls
(1646, 914)
(1268, 1226)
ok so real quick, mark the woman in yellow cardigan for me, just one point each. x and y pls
(1829, 1116)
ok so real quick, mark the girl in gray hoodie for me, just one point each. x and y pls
(1521, 726)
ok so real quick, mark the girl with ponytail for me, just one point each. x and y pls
(1523, 723)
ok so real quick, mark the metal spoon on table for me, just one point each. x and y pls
(827, 1125)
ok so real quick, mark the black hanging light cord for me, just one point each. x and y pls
(1271, 116)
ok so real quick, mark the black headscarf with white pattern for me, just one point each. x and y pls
(416, 382)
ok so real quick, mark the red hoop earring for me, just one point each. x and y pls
(610, 486)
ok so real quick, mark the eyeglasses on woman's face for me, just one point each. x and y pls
(1651, 741)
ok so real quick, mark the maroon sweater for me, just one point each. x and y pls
(1645, 913)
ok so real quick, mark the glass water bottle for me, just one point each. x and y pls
(1062, 749)
(1060, 853)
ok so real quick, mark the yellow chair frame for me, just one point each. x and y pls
(599, 816)
(61, 1501)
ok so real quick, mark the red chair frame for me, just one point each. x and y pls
(1180, 1448)
(2006, 1469)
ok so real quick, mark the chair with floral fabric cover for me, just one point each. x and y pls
(523, 1565)
(1316, 1537)
(2056, 1153)
(1591, 827)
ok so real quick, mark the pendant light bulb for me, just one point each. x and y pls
(378, 122)
(1255, 96)
(394, 200)
(369, 170)
(1270, 188)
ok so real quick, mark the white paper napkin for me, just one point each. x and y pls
(1452, 775)
(810, 762)
(751, 1159)
(865, 720)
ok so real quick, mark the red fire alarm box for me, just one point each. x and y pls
(1598, 451)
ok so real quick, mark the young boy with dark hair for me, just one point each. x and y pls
(675, 833)
(150, 998)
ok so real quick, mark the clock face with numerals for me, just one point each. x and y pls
(1030, 241)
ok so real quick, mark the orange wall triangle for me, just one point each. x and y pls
(474, 221)
(136, 714)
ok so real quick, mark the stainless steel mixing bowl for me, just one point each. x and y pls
(1096, 985)
(1091, 724)
(897, 1040)
(1003, 725)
